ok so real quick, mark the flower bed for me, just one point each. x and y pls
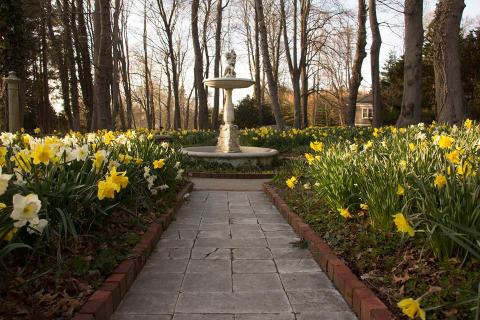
(72, 208)
(402, 208)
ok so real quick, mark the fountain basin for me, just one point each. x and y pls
(248, 156)
(228, 83)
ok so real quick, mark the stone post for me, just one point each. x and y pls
(13, 83)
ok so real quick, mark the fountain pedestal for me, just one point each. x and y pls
(228, 141)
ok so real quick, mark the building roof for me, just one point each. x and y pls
(366, 99)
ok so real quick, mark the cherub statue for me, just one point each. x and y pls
(231, 59)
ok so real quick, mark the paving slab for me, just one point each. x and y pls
(231, 256)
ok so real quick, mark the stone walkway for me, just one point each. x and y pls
(231, 256)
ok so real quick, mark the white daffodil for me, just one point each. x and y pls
(81, 153)
(4, 179)
(177, 165)
(163, 187)
(39, 227)
(122, 139)
(25, 209)
(18, 178)
(7, 138)
(91, 137)
(164, 144)
(179, 174)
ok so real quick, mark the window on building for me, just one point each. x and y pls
(367, 113)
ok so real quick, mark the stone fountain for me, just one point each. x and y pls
(228, 149)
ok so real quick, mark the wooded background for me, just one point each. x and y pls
(80, 70)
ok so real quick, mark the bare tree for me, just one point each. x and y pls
(218, 54)
(198, 72)
(360, 54)
(84, 63)
(169, 20)
(375, 63)
(272, 83)
(411, 109)
(102, 116)
(449, 96)
(296, 64)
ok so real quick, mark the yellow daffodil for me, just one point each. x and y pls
(108, 137)
(42, 153)
(106, 189)
(403, 164)
(411, 308)
(2, 205)
(316, 146)
(468, 124)
(465, 169)
(118, 178)
(10, 234)
(125, 158)
(99, 158)
(310, 158)
(364, 206)
(292, 182)
(22, 160)
(159, 164)
(138, 161)
(411, 146)
(400, 190)
(453, 157)
(345, 213)
(440, 181)
(368, 145)
(403, 225)
(445, 142)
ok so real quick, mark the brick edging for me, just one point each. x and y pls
(103, 302)
(362, 300)
(230, 175)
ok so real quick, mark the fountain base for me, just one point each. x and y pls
(247, 157)
(228, 141)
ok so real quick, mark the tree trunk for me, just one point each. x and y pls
(216, 66)
(375, 63)
(70, 63)
(272, 84)
(195, 112)
(103, 66)
(449, 97)
(411, 110)
(258, 85)
(292, 60)
(304, 95)
(360, 54)
(46, 110)
(145, 68)
(198, 70)
(84, 63)
(303, 67)
(169, 95)
(123, 51)
(117, 99)
(62, 68)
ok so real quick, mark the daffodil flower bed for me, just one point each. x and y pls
(402, 207)
(77, 201)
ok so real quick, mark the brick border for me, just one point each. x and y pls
(102, 303)
(362, 300)
(230, 175)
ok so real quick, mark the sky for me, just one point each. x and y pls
(391, 29)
